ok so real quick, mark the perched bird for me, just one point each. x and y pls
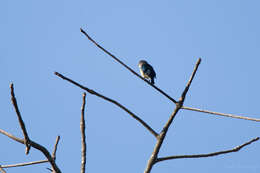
(147, 71)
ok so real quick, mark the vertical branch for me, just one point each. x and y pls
(22, 125)
(54, 152)
(161, 137)
(83, 136)
(55, 148)
(190, 80)
(160, 140)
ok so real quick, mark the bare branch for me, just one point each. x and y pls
(160, 140)
(208, 154)
(190, 80)
(22, 125)
(24, 164)
(36, 146)
(128, 68)
(163, 133)
(83, 135)
(110, 100)
(221, 114)
(55, 148)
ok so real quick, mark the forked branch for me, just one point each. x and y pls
(158, 89)
(35, 162)
(36, 146)
(163, 133)
(26, 139)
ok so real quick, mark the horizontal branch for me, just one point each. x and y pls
(221, 114)
(24, 164)
(36, 146)
(109, 100)
(128, 68)
(236, 149)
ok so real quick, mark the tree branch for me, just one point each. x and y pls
(109, 100)
(236, 149)
(158, 89)
(24, 164)
(83, 135)
(221, 114)
(128, 68)
(22, 125)
(163, 133)
(190, 80)
(34, 162)
(55, 148)
(36, 146)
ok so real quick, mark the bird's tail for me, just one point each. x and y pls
(152, 81)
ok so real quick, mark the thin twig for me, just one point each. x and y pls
(22, 125)
(83, 135)
(131, 70)
(208, 154)
(2, 170)
(190, 80)
(36, 146)
(221, 114)
(110, 100)
(55, 148)
(54, 151)
(25, 164)
(163, 133)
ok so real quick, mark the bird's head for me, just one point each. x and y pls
(142, 62)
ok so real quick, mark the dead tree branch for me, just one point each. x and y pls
(109, 100)
(221, 114)
(158, 89)
(36, 146)
(236, 149)
(24, 164)
(26, 139)
(83, 135)
(131, 70)
(34, 162)
(55, 148)
(22, 125)
(163, 133)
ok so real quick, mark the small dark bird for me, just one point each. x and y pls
(147, 71)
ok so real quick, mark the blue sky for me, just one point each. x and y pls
(40, 37)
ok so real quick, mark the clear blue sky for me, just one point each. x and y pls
(40, 37)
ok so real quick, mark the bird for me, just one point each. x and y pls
(147, 71)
